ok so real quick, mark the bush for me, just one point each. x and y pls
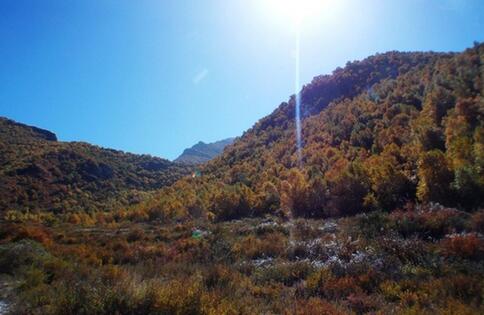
(136, 234)
(467, 246)
(477, 221)
(270, 245)
(34, 232)
(373, 224)
(286, 273)
(315, 306)
(20, 254)
(429, 221)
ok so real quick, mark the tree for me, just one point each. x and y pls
(435, 177)
(348, 191)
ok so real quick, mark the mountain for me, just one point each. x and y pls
(395, 128)
(37, 172)
(203, 152)
(392, 129)
(380, 212)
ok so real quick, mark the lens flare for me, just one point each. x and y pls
(297, 96)
(294, 12)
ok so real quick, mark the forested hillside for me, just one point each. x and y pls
(377, 134)
(37, 172)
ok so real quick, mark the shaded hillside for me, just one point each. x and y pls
(39, 173)
(203, 152)
(391, 129)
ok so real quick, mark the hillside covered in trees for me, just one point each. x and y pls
(377, 134)
(37, 172)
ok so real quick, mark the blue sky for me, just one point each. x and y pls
(158, 76)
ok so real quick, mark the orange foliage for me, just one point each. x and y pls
(463, 245)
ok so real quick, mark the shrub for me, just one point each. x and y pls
(177, 296)
(324, 284)
(286, 273)
(362, 303)
(468, 246)
(37, 233)
(477, 221)
(136, 234)
(16, 255)
(340, 288)
(429, 221)
(373, 224)
(314, 306)
(270, 245)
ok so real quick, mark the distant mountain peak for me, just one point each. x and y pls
(203, 152)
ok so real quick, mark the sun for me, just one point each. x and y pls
(296, 12)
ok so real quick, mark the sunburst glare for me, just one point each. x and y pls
(295, 13)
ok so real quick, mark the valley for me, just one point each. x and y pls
(382, 213)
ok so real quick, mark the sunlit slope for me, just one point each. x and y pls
(391, 129)
(356, 78)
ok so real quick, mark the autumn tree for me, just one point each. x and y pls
(435, 177)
